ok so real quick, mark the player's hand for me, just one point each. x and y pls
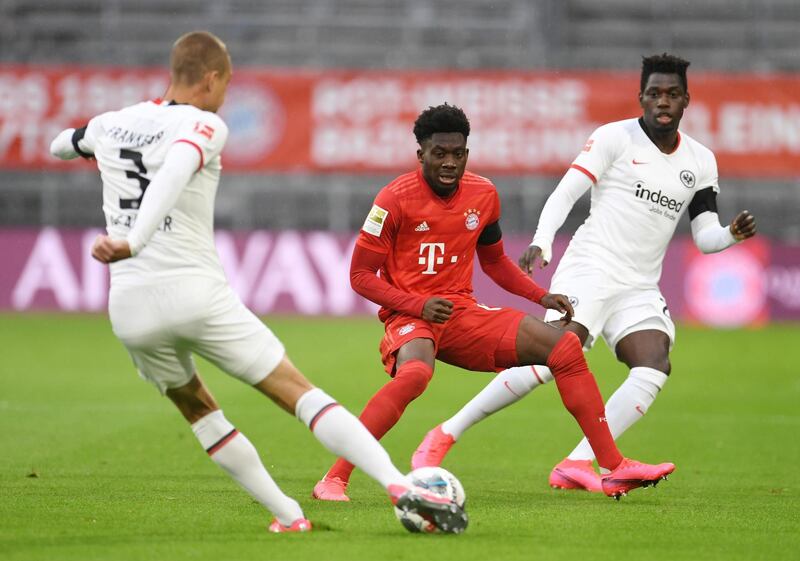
(743, 226)
(107, 250)
(558, 302)
(528, 259)
(437, 310)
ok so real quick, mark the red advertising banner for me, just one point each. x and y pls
(361, 121)
(308, 273)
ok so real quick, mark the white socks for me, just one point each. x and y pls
(231, 450)
(628, 404)
(344, 435)
(508, 387)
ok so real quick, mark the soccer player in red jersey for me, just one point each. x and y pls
(421, 235)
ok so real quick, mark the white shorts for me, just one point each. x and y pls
(606, 308)
(162, 325)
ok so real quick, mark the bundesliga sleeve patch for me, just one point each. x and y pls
(375, 220)
(204, 130)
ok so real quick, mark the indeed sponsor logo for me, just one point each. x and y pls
(656, 197)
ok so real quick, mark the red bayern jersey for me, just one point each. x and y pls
(429, 241)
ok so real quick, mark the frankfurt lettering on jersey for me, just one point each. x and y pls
(132, 138)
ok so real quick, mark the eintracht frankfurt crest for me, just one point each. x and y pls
(687, 178)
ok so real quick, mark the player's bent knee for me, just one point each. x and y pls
(415, 375)
(421, 349)
(193, 400)
(566, 355)
(535, 340)
(657, 362)
(285, 385)
(664, 366)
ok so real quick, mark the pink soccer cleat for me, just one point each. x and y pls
(443, 513)
(575, 474)
(299, 525)
(331, 489)
(432, 449)
(630, 474)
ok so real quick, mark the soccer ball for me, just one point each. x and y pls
(435, 480)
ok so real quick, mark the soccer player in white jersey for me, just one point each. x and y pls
(644, 175)
(160, 166)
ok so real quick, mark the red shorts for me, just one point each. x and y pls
(475, 337)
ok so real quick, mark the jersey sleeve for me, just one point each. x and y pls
(85, 139)
(206, 132)
(382, 223)
(602, 149)
(709, 175)
(494, 214)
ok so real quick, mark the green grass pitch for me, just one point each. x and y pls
(96, 466)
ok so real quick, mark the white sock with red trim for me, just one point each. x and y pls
(627, 405)
(344, 435)
(233, 452)
(508, 387)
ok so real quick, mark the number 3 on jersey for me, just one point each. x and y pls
(136, 158)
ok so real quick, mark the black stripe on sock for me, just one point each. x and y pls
(213, 448)
(320, 413)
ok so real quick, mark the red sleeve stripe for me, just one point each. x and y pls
(222, 442)
(584, 171)
(202, 162)
(536, 374)
(319, 415)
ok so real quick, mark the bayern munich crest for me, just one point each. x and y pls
(473, 219)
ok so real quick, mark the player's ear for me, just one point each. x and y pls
(210, 80)
(687, 99)
(419, 154)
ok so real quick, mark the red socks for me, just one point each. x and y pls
(385, 408)
(581, 397)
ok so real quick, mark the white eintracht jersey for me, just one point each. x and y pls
(130, 146)
(638, 196)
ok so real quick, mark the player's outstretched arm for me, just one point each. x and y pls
(708, 234)
(180, 164)
(364, 279)
(559, 204)
(498, 267)
(71, 143)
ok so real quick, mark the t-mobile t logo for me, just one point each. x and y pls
(428, 257)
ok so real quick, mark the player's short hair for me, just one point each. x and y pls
(196, 53)
(442, 118)
(664, 64)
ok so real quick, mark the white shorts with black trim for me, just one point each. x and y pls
(608, 309)
(162, 325)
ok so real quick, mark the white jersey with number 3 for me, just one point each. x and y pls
(639, 194)
(130, 146)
